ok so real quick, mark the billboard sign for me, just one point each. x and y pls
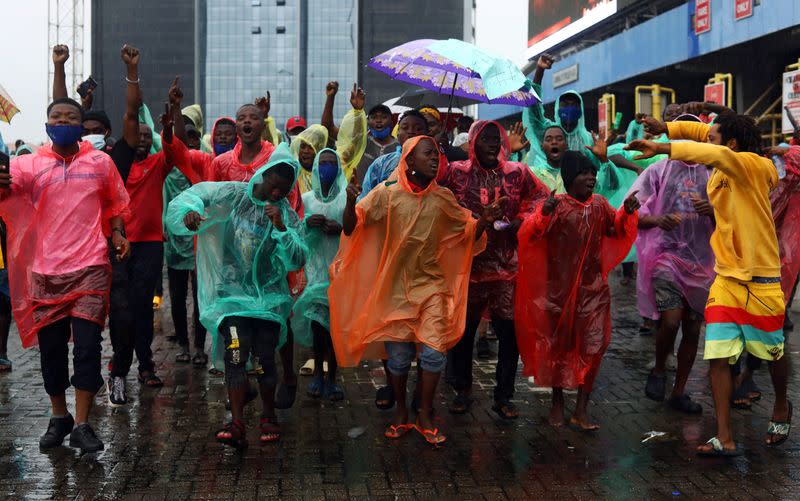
(702, 16)
(715, 93)
(551, 22)
(791, 100)
(743, 9)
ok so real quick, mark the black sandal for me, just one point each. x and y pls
(183, 357)
(685, 404)
(384, 398)
(270, 429)
(200, 359)
(233, 434)
(461, 404)
(506, 410)
(780, 429)
(150, 380)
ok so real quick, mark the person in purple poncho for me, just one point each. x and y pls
(676, 266)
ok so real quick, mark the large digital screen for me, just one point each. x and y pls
(550, 22)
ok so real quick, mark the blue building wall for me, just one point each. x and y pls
(664, 40)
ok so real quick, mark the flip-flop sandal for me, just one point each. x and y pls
(308, 368)
(183, 357)
(200, 359)
(780, 428)
(285, 396)
(395, 431)
(740, 399)
(718, 450)
(334, 392)
(384, 398)
(506, 410)
(461, 404)
(270, 430)
(433, 437)
(5, 364)
(315, 388)
(150, 380)
(233, 435)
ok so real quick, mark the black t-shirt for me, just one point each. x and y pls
(122, 155)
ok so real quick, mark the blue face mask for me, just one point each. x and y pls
(380, 134)
(64, 135)
(569, 114)
(219, 149)
(328, 172)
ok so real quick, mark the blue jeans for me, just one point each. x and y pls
(402, 354)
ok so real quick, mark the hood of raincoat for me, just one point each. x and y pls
(315, 136)
(336, 188)
(475, 132)
(280, 155)
(195, 113)
(402, 167)
(214, 129)
(580, 136)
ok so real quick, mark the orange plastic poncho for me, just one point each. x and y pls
(402, 275)
(563, 303)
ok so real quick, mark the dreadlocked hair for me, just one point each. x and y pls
(742, 128)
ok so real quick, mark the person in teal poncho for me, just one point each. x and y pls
(554, 144)
(324, 207)
(248, 241)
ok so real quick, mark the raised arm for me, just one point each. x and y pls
(130, 121)
(350, 219)
(327, 112)
(60, 56)
(352, 136)
(175, 96)
(269, 132)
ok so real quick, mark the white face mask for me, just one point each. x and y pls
(98, 140)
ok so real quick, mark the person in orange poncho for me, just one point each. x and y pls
(400, 277)
(563, 303)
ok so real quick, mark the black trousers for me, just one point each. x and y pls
(460, 356)
(179, 292)
(246, 336)
(54, 355)
(131, 317)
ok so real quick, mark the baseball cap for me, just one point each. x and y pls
(295, 122)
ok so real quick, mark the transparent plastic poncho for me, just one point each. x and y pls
(242, 260)
(312, 305)
(316, 137)
(785, 199)
(563, 302)
(683, 255)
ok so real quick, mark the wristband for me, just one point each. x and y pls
(132, 81)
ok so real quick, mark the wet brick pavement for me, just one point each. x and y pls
(161, 445)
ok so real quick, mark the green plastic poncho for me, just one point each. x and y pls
(146, 118)
(312, 305)
(635, 131)
(242, 260)
(533, 118)
(178, 250)
(550, 176)
(315, 136)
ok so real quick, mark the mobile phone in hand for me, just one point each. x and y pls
(89, 83)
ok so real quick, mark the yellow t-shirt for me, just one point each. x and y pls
(744, 242)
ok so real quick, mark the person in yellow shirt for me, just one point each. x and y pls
(745, 307)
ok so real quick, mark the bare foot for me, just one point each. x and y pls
(556, 418)
(584, 423)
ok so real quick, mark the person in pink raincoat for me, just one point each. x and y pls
(60, 205)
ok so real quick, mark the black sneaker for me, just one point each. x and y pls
(685, 404)
(656, 388)
(116, 391)
(57, 429)
(83, 437)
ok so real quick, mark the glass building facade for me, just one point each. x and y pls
(290, 48)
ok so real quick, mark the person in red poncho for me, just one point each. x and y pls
(563, 303)
(486, 177)
(60, 205)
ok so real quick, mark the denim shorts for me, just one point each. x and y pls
(402, 354)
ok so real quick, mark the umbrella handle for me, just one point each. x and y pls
(450, 106)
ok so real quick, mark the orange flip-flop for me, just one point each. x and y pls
(396, 431)
(433, 437)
